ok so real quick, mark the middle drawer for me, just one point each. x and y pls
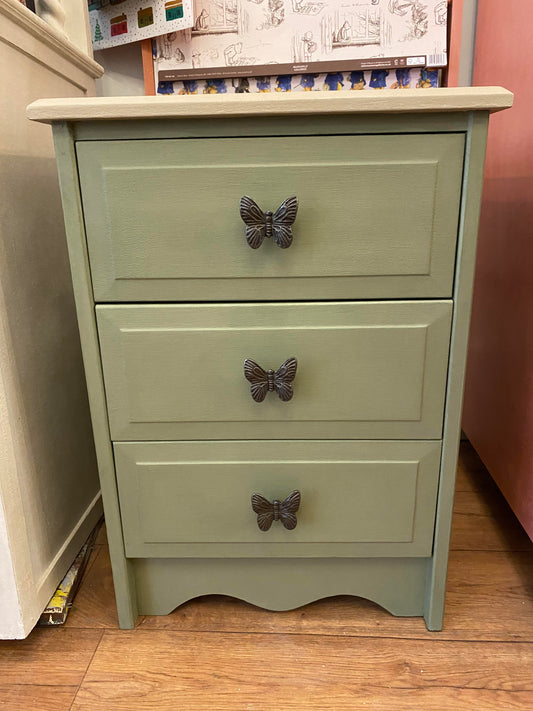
(374, 370)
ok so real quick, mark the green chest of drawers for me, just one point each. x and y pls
(372, 298)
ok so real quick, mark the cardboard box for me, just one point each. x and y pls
(245, 38)
(401, 78)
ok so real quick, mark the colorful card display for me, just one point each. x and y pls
(114, 22)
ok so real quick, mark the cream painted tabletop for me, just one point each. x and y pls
(402, 101)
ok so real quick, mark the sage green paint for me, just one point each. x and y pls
(404, 584)
(304, 125)
(365, 369)
(192, 499)
(79, 264)
(396, 584)
(163, 222)
(466, 260)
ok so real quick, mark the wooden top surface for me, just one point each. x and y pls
(223, 105)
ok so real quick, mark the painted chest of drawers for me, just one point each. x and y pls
(371, 298)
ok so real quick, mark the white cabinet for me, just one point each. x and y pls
(49, 491)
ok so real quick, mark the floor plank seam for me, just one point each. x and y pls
(436, 687)
(86, 670)
(92, 559)
(413, 638)
(35, 685)
(437, 638)
(488, 550)
(396, 662)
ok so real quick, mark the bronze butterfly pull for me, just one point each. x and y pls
(264, 381)
(261, 224)
(284, 511)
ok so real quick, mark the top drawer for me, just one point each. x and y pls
(377, 217)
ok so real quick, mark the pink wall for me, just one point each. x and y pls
(498, 412)
(455, 28)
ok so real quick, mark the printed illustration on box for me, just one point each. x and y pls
(336, 81)
(302, 36)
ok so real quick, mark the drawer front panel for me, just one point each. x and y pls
(377, 217)
(357, 498)
(365, 370)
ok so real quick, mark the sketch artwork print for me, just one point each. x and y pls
(255, 37)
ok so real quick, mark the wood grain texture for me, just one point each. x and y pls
(489, 598)
(40, 658)
(94, 606)
(293, 672)
(471, 472)
(407, 100)
(217, 652)
(477, 523)
(482, 519)
(101, 538)
(490, 595)
(21, 697)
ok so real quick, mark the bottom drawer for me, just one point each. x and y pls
(371, 498)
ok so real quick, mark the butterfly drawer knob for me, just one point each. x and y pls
(264, 381)
(284, 511)
(261, 224)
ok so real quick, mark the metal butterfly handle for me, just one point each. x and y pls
(261, 224)
(270, 511)
(264, 381)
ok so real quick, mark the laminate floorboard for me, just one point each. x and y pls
(482, 518)
(486, 524)
(343, 653)
(489, 597)
(44, 671)
(23, 697)
(94, 605)
(138, 671)
(41, 658)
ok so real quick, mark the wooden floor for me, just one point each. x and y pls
(343, 653)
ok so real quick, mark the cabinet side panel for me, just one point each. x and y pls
(68, 178)
(466, 253)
